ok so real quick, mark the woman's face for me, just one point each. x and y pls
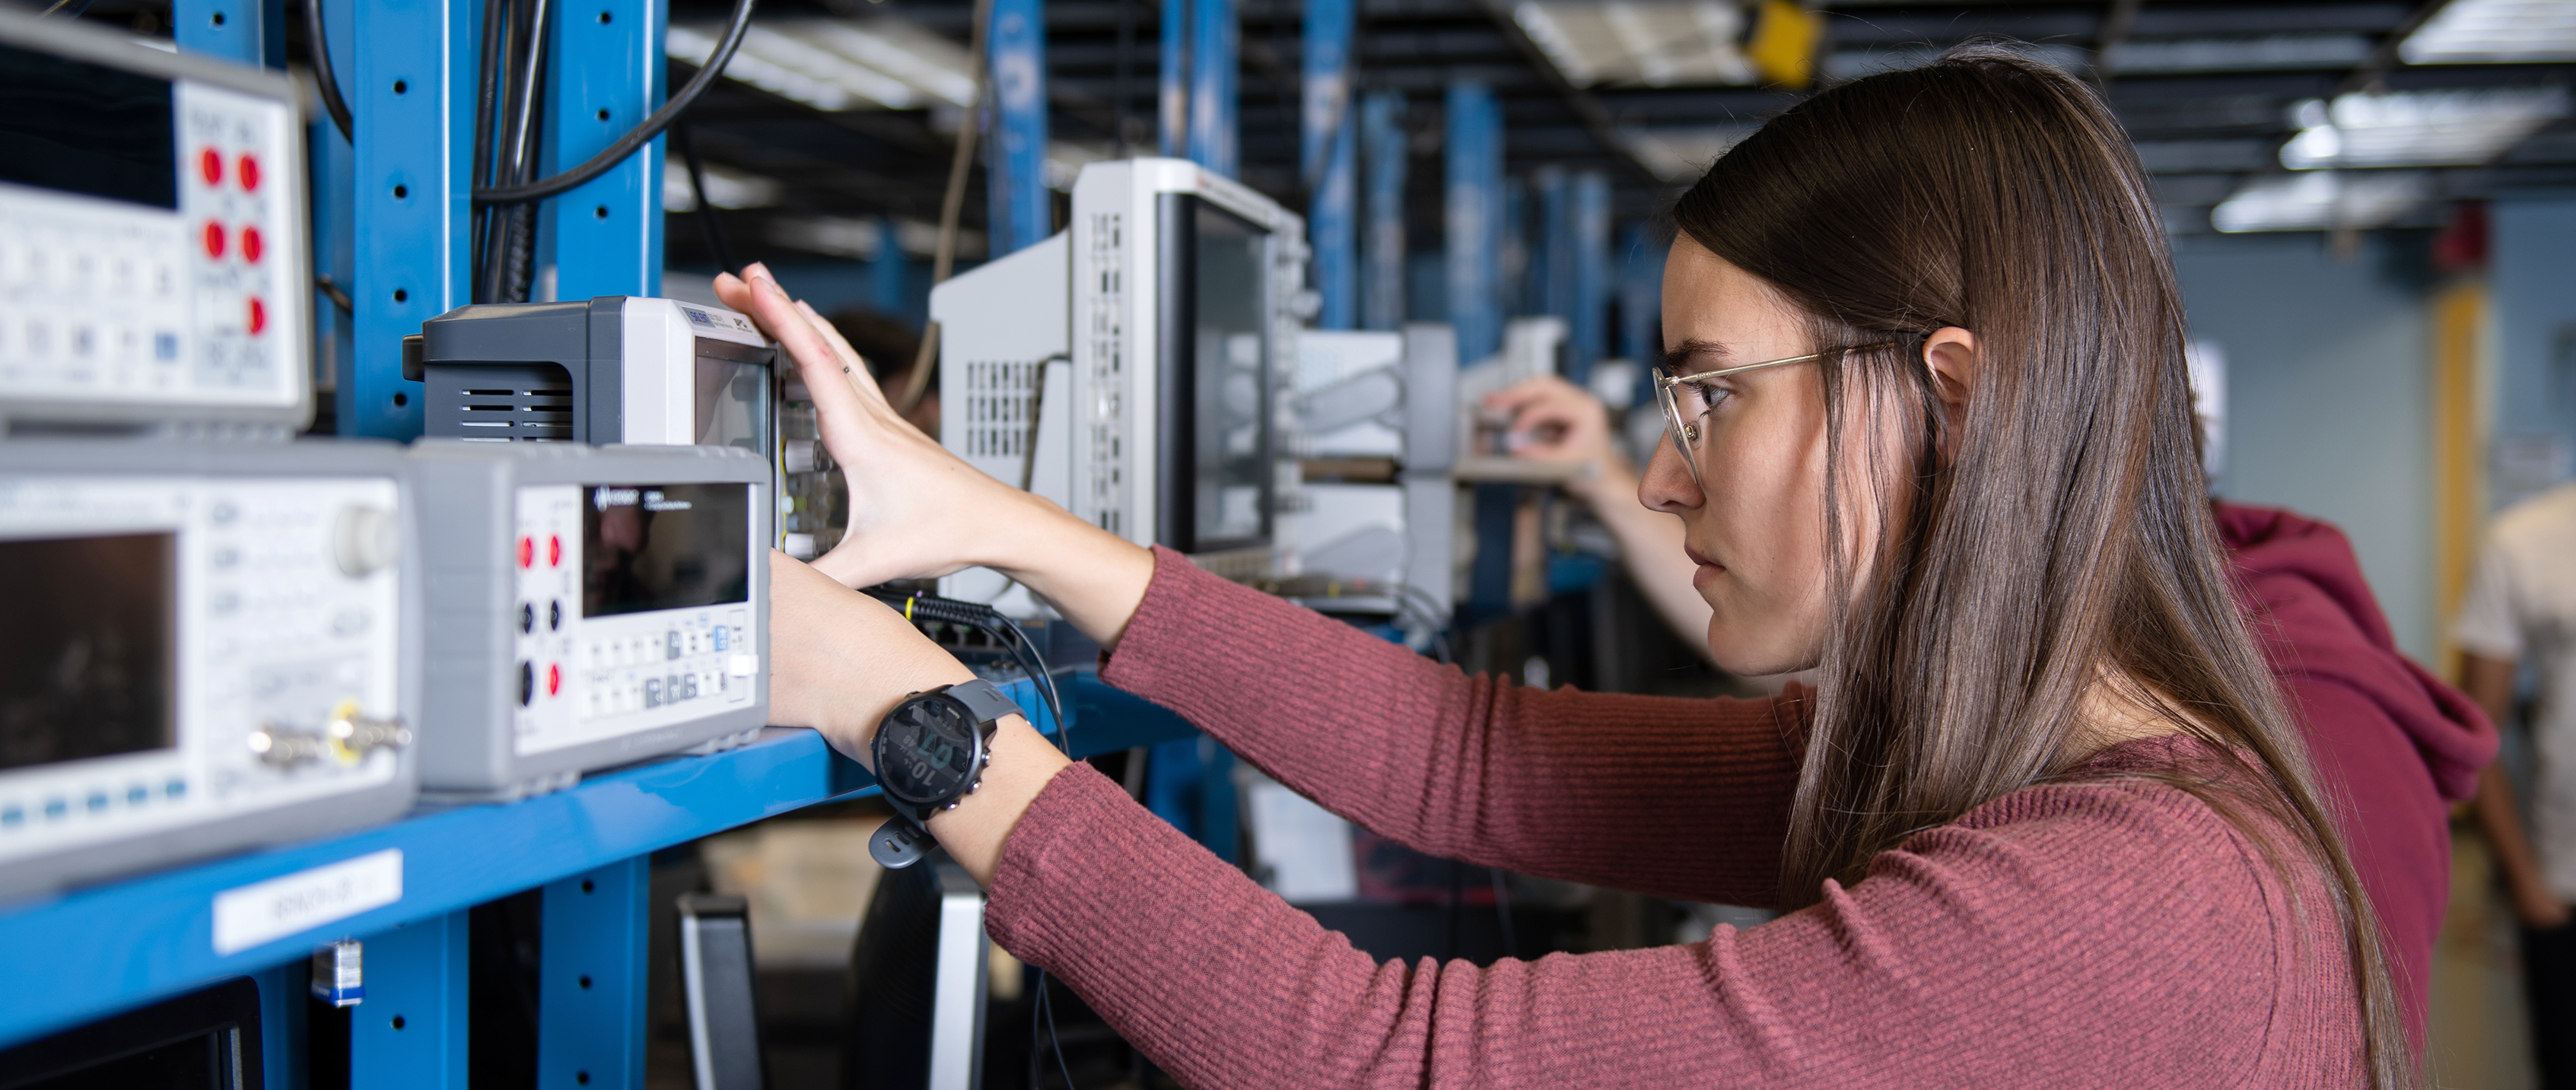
(1758, 530)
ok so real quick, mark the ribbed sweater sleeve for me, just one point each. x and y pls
(2110, 932)
(1679, 798)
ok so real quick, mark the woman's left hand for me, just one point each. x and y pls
(840, 660)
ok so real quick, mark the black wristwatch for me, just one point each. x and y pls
(930, 752)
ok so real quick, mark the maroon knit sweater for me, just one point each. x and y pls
(2111, 932)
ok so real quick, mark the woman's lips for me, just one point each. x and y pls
(1707, 571)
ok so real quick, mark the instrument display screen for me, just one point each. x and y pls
(87, 128)
(86, 658)
(670, 546)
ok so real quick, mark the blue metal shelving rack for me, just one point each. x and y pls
(100, 950)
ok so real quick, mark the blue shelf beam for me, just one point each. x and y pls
(1022, 209)
(1328, 161)
(1473, 221)
(108, 948)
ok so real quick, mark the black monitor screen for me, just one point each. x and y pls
(87, 128)
(85, 658)
(1216, 434)
(667, 546)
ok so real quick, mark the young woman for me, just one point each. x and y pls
(2044, 821)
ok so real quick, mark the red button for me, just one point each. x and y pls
(211, 164)
(251, 245)
(554, 679)
(214, 240)
(554, 552)
(248, 172)
(527, 552)
(258, 316)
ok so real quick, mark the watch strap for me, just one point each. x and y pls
(985, 699)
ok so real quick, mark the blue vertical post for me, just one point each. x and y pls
(1382, 271)
(1329, 160)
(1641, 292)
(1023, 212)
(591, 979)
(1473, 219)
(1172, 93)
(1213, 34)
(410, 1034)
(1590, 243)
(888, 286)
(411, 92)
(1552, 265)
(252, 32)
(605, 237)
(282, 992)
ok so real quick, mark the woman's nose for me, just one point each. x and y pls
(1668, 484)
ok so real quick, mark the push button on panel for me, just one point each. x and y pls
(527, 683)
(554, 615)
(214, 240)
(210, 165)
(527, 618)
(248, 172)
(252, 245)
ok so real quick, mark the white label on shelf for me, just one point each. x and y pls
(264, 912)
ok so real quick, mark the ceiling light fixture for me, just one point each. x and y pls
(1639, 43)
(839, 64)
(1679, 156)
(726, 188)
(2322, 200)
(2494, 32)
(2417, 128)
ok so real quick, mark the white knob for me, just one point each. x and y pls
(364, 539)
(798, 454)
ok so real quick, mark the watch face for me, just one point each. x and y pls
(926, 750)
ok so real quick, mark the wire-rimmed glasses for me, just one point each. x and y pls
(1682, 420)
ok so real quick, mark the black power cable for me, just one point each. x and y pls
(326, 82)
(707, 222)
(642, 134)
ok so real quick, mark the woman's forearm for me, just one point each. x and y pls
(1091, 576)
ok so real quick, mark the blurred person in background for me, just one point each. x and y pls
(2395, 745)
(2521, 607)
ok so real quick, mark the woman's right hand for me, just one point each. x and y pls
(918, 511)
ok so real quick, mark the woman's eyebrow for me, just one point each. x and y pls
(1678, 359)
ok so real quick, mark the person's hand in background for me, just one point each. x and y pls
(1555, 420)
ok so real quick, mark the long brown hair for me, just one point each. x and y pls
(2067, 530)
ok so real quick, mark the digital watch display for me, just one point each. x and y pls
(930, 752)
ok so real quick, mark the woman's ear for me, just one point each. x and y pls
(1950, 354)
